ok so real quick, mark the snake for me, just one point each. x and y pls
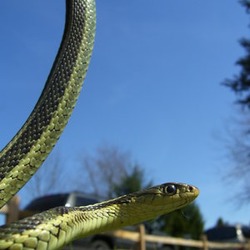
(28, 149)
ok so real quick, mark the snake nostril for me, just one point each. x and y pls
(190, 188)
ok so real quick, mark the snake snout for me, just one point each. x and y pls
(193, 189)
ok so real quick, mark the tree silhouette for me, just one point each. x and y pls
(240, 83)
(239, 139)
(131, 182)
(112, 172)
(187, 222)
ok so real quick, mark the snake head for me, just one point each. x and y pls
(164, 198)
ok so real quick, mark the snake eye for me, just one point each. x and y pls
(170, 189)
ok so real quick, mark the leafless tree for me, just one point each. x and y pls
(238, 148)
(50, 178)
(99, 173)
(239, 151)
(106, 169)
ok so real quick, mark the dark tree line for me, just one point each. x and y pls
(239, 144)
(240, 83)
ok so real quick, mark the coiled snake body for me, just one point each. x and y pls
(24, 154)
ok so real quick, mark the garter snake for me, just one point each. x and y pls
(24, 154)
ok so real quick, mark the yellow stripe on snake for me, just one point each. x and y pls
(24, 154)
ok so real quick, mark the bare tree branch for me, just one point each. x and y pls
(50, 178)
(106, 169)
(238, 147)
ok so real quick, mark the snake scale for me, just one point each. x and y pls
(24, 154)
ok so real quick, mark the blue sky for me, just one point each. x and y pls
(153, 86)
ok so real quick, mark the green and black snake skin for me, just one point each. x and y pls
(24, 154)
